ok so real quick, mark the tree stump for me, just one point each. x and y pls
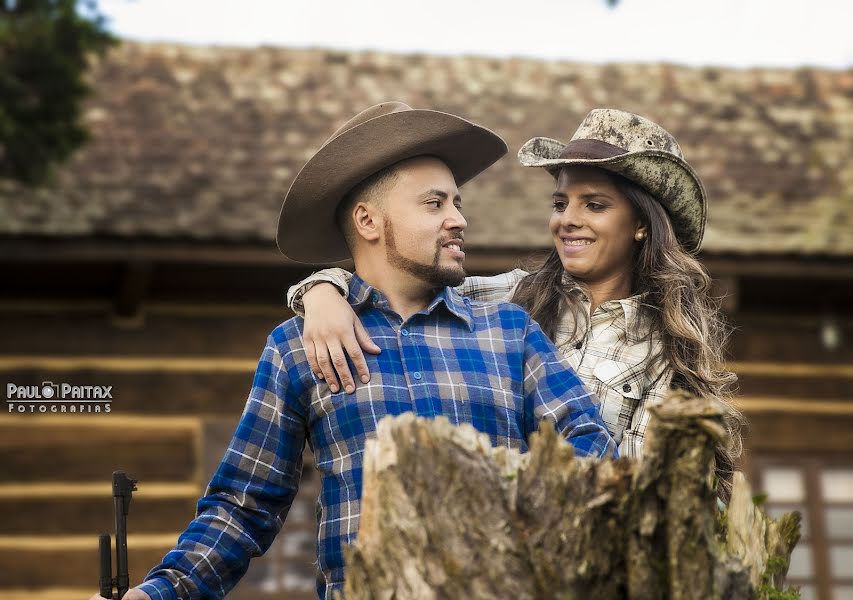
(446, 515)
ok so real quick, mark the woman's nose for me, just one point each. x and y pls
(571, 216)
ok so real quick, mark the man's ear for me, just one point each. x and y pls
(367, 220)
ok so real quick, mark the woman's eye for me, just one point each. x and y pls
(595, 206)
(559, 205)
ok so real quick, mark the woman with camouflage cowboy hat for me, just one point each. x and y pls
(621, 293)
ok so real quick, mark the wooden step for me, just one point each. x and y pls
(88, 448)
(48, 593)
(72, 561)
(825, 386)
(65, 509)
(776, 425)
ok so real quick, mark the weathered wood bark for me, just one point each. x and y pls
(445, 515)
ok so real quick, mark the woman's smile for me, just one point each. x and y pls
(575, 244)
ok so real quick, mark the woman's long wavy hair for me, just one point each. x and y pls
(680, 308)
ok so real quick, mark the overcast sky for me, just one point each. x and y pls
(694, 32)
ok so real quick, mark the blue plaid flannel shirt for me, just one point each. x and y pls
(483, 363)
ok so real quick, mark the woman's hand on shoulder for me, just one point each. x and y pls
(332, 332)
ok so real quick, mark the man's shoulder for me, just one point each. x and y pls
(285, 340)
(288, 335)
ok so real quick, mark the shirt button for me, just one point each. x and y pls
(404, 331)
(417, 375)
(579, 345)
(375, 297)
(626, 388)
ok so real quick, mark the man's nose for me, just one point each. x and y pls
(455, 220)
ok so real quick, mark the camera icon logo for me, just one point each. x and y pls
(49, 389)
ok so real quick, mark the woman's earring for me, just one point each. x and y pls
(640, 236)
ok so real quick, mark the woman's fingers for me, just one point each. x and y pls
(324, 362)
(356, 355)
(364, 340)
(339, 363)
(311, 356)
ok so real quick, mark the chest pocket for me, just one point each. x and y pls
(492, 409)
(620, 388)
(621, 378)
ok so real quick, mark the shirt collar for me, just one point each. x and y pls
(362, 295)
(630, 307)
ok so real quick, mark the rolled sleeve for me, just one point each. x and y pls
(339, 278)
(492, 288)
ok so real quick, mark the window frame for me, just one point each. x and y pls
(811, 466)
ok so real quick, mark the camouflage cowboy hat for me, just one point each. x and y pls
(639, 150)
(372, 140)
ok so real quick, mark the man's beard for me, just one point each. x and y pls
(432, 274)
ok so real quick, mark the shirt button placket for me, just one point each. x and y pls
(412, 366)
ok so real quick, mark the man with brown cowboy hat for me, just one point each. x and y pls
(383, 189)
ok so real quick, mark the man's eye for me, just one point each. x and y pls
(434, 203)
(458, 207)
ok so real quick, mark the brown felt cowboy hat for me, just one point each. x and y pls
(372, 140)
(639, 150)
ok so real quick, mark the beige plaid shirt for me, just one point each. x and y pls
(615, 363)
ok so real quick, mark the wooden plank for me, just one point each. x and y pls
(823, 388)
(52, 562)
(153, 490)
(68, 515)
(70, 334)
(51, 593)
(783, 369)
(128, 364)
(103, 307)
(30, 452)
(188, 425)
(72, 562)
(778, 431)
(50, 543)
(801, 406)
(782, 267)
